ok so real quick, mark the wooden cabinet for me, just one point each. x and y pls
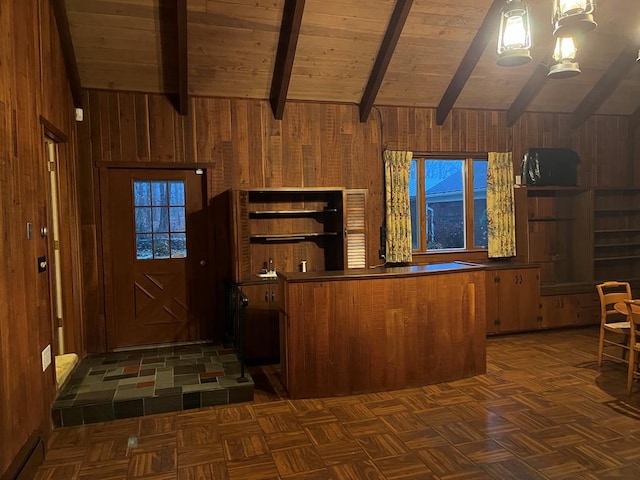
(616, 234)
(261, 330)
(512, 299)
(569, 310)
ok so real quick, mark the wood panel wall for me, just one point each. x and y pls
(314, 145)
(33, 87)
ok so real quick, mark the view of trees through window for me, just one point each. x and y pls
(160, 219)
(442, 199)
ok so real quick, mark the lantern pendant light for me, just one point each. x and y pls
(514, 37)
(571, 17)
(564, 56)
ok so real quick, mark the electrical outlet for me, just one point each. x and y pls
(46, 357)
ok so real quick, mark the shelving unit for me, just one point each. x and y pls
(616, 234)
(558, 220)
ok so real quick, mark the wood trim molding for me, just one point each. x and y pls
(605, 86)
(55, 134)
(62, 22)
(388, 46)
(487, 30)
(287, 44)
(31, 455)
(154, 165)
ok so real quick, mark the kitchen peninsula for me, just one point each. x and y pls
(380, 329)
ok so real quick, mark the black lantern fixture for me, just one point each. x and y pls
(572, 17)
(514, 37)
(564, 56)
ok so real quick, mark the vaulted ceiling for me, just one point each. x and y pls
(431, 53)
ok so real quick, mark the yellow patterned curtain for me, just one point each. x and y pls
(397, 165)
(500, 206)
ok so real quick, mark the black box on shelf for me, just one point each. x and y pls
(550, 167)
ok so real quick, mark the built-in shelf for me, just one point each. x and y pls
(616, 245)
(618, 230)
(621, 257)
(551, 219)
(292, 236)
(292, 212)
(616, 211)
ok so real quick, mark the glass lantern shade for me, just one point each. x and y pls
(564, 56)
(514, 37)
(571, 17)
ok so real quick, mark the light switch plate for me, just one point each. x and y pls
(46, 357)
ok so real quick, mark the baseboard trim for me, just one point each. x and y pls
(29, 458)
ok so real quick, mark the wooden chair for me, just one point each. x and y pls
(633, 307)
(614, 327)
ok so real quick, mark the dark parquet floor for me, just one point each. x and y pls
(544, 410)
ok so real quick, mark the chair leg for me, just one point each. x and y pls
(600, 347)
(631, 370)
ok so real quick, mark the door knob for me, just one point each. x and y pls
(44, 231)
(203, 263)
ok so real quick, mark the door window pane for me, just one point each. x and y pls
(176, 193)
(159, 193)
(160, 219)
(142, 193)
(444, 189)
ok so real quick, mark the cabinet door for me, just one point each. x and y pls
(528, 281)
(261, 332)
(518, 299)
(558, 311)
(587, 306)
(493, 301)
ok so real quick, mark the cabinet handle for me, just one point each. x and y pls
(273, 296)
(266, 296)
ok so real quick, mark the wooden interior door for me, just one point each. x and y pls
(158, 287)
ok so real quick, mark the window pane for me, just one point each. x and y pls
(176, 219)
(160, 228)
(143, 246)
(159, 193)
(413, 198)
(444, 187)
(141, 193)
(176, 193)
(178, 245)
(143, 220)
(480, 203)
(160, 220)
(161, 245)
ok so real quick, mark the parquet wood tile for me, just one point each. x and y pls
(544, 410)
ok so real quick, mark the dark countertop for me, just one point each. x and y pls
(362, 273)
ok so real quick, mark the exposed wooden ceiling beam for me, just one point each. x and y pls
(483, 36)
(289, 32)
(605, 86)
(173, 48)
(389, 42)
(62, 22)
(183, 66)
(533, 86)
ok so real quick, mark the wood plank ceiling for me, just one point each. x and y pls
(430, 53)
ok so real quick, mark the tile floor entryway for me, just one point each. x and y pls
(147, 381)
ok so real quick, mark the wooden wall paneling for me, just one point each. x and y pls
(292, 125)
(162, 130)
(126, 115)
(115, 129)
(240, 163)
